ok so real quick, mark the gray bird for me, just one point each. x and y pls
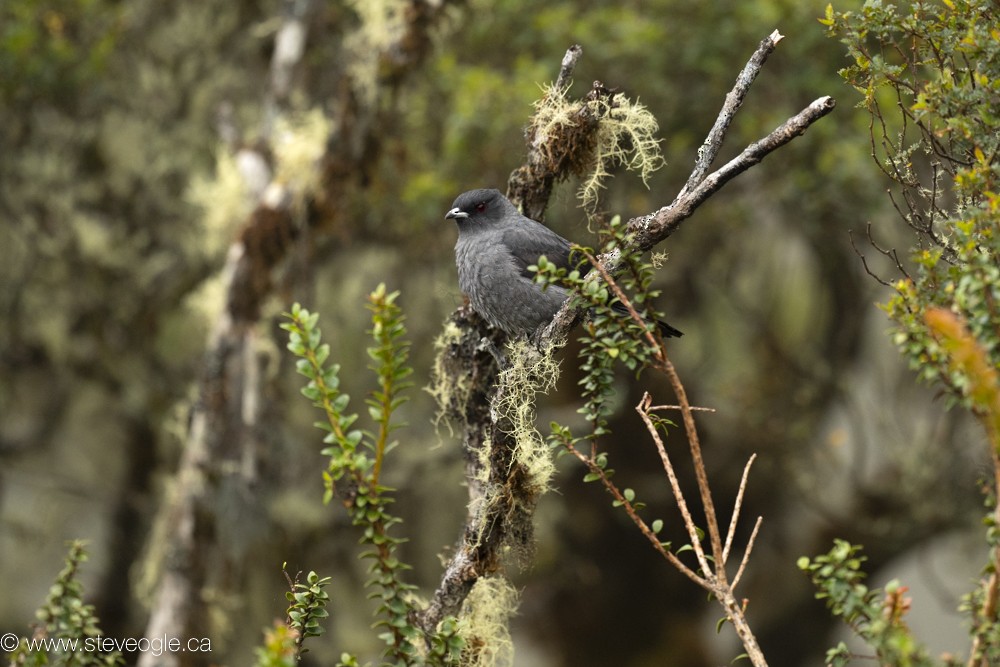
(496, 245)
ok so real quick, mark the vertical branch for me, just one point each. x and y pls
(694, 444)
(689, 523)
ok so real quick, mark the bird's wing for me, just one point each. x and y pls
(527, 242)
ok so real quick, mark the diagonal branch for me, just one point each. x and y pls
(734, 100)
(651, 229)
(530, 186)
(675, 487)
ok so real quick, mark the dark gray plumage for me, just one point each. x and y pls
(496, 245)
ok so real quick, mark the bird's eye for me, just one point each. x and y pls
(480, 207)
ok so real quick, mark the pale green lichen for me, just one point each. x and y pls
(625, 135)
(299, 142)
(225, 203)
(382, 22)
(448, 389)
(484, 623)
(529, 372)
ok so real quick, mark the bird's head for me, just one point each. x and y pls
(481, 207)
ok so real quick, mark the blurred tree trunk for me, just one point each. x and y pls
(219, 464)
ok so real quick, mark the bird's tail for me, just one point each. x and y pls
(665, 329)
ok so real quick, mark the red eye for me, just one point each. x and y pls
(480, 207)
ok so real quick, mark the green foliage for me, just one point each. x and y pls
(53, 49)
(308, 602)
(610, 337)
(930, 80)
(875, 615)
(281, 647)
(68, 628)
(389, 357)
(356, 459)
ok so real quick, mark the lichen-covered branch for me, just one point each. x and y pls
(557, 145)
(651, 229)
(654, 228)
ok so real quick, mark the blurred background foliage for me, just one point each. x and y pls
(108, 286)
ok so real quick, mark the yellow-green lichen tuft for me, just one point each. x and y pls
(625, 135)
(528, 373)
(299, 143)
(449, 389)
(483, 623)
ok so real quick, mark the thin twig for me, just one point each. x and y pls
(654, 228)
(864, 261)
(694, 445)
(746, 554)
(888, 252)
(643, 409)
(693, 408)
(636, 519)
(736, 509)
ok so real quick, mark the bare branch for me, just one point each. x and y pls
(689, 524)
(652, 229)
(573, 54)
(638, 521)
(736, 510)
(693, 408)
(649, 230)
(746, 554)
(864, 260)
(734, 100)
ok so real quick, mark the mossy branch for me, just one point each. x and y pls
(649, 230)
(561, 141)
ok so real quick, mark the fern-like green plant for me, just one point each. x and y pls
(68, 632)
(356, 459)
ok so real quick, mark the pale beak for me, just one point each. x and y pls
(456, 213)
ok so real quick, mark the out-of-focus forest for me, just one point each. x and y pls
(131, 134)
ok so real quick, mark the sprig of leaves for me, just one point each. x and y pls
(67, 621)
(356, 459)
(389, 356)
(875, 615)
